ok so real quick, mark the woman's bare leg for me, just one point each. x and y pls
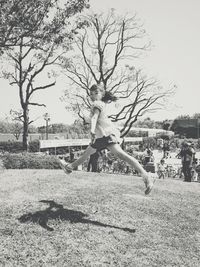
(118, 152)
(89, 151)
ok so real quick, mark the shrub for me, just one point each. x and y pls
(17, 147)
(11, 146)
(34, 146)
(29, 161)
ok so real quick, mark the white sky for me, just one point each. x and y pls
(174, 29)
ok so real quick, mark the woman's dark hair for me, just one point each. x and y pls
(107, 97)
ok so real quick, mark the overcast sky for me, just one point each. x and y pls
(174, 29)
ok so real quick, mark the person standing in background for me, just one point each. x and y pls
(186, 155)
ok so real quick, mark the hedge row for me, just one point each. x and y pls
(29, 161)
(11, 146)
(17, 147)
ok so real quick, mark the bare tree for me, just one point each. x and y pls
(105, 53)
(36, 51)
(17, 129)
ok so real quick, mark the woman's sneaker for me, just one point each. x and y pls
(67, 168)
(149, 182)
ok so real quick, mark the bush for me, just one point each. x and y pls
(17, 147)
(34, 146)
(11, 146)
(29, 161)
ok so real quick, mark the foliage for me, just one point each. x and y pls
(34, 146)
(17, 129)
(189, 128)
(29, 161)
(17, 147)
(166, 125)
(75, 130)
(145, 123)
(194, 116)
(10, 127)
(28, 18)
(5, 127)
(11, 146)
(58, 128)
(148, 123)
(32, 129)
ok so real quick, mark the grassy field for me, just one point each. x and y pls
(85, 219)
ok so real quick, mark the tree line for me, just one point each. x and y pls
(81, 130)
(77, 128)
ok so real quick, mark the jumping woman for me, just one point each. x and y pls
(105, 135)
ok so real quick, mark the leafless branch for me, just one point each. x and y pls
(36, 104)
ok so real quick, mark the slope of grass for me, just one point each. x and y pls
(86, 219)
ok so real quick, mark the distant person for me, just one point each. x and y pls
(71, 155)
(148, 157)
(166, 149)
(194, 163)
(104, 160)
(105, 135)
(193, 152)
(149, 151)
(93, 162)
(162, 169)
(186, 155)
(47, 152)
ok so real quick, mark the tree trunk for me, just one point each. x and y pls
(25, 129)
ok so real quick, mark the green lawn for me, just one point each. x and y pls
(50, 219)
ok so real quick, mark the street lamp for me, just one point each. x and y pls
(47, 119)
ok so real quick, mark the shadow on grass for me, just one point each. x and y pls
(56, 211)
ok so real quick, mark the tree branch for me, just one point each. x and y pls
(36, 104)
(42, 87)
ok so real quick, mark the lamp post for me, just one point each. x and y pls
(47, 119)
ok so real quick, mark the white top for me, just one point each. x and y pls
(104, 126)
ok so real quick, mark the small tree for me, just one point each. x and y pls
(17, 123)
(17, 129)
